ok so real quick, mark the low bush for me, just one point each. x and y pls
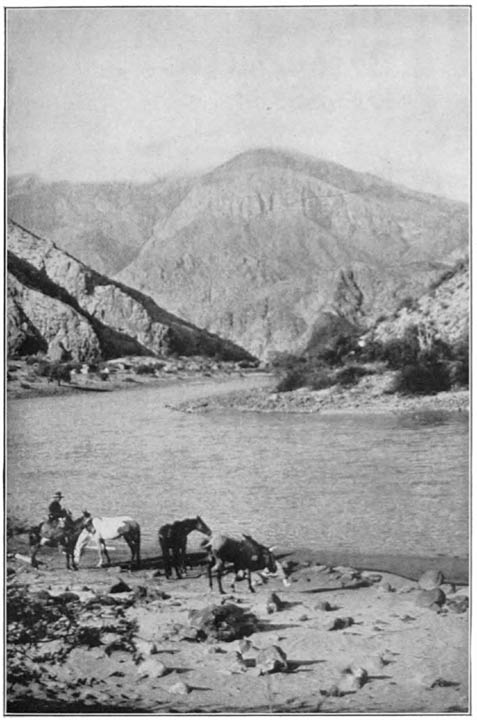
(145, 370)
(321, 380)
(423, 378)
(350, 375)
(293, 380)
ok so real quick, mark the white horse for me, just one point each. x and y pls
(100, 529)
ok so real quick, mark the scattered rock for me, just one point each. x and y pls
(371, 577)
(353, 679)
(384, 587)
(152, 668)
(432, 599)
(119, 587)
(245, 646)
(407, 588)
(270, 660)
(274, 604)
(324, 605)
(67, 597)
(458, 604)
(145, 647)
(215, 650)
(303, 618)
(338, 623)
(222, 622)
(179, 688)
(448, 588)
(441, 682)
(431, 579)
(332, 691)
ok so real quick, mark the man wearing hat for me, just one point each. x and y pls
(55, 509)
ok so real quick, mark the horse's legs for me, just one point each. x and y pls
(183, 554)
(176, 561)
(133, 539)
(104, 550)
(33, 553)
(99, 547)
(165, 556)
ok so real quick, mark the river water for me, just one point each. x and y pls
(364, 483)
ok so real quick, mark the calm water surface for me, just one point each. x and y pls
(370, 483)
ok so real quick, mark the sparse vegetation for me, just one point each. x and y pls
(425, 364)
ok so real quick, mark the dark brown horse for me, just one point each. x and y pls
(173, 542)
(62, 533)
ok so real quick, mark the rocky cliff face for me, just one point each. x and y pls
(442, 312)
(55, 298)
(262, 248)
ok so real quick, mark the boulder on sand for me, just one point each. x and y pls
(431, 579)
(432, 599)
(270, 660)
(222, 622)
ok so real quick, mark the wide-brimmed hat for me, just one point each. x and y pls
(58, 495)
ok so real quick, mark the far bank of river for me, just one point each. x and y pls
(255, 391)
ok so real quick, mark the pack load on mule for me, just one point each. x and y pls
(173, 541)
(245, 554)
(99, 529)
(62, 532)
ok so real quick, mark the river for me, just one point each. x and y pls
(363, 483)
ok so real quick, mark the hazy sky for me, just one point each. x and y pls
(118, 93)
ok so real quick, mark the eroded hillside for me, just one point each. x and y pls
(54, 298)
(258, 249)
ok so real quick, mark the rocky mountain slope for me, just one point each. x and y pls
(102, 224)
(53, 299)
(263, 249)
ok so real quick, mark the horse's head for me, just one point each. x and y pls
(202, 527)
(86, 521)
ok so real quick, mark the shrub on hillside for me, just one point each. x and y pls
(321, 380)
(400, 352)
(350, 375)
(423, 378)
(313, 376)
(145, 369)
(293, 380)
(339, 349)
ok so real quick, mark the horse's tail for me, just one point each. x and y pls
(138, 545)
(34, 535)
(135, 530)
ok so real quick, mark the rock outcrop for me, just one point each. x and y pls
(440, 313)
(55, 298)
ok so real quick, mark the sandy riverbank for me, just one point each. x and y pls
(125, 374)
(370, 395)
(395, 654)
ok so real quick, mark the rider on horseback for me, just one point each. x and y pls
(55, 510)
